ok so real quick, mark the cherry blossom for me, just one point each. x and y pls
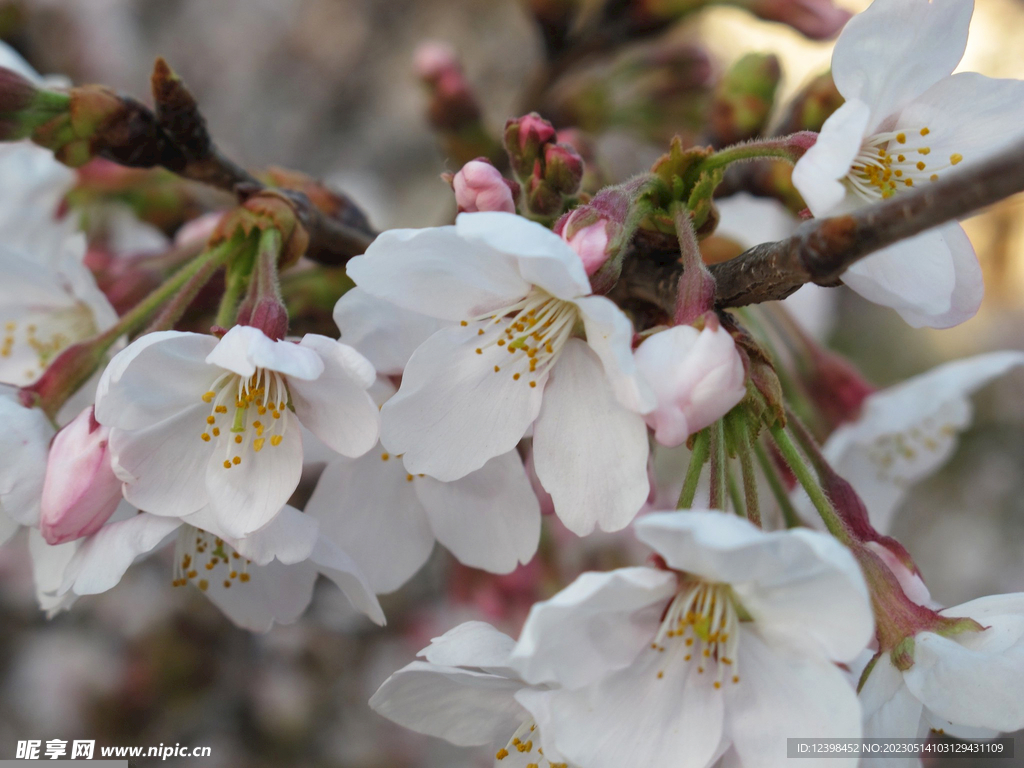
(263, 579)
(906, 123)
(735, 646)
(195, 421)
(515, 359)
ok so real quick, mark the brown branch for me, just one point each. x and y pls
(822, 249)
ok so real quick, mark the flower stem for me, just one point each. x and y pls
(176, 307)
(806, 477)
(735, 496)
(699, 456)
(236, 280)
(73, 367)
(790, 148)
(778, 488)
(739, 438)
(718, 465)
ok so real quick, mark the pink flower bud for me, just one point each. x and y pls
(479, 186)
(563, 168)
(591, 244)
(525, 138)
(433, 59)
(817, 19)
(697, 377)
(80, 491)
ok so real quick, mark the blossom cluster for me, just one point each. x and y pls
(491, 381)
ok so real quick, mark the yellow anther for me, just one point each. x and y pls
(211, 565)
(237, 460)
(233, 575)
(208, 397)
(924, 151)
(956, 158)
(216, 431)
(717, 685)
(901, 158)
(210, 419)
(920, 165)
(909, 182)
(227, 465)
(261, 409)
(203, 584)
(479, 351)
(408, 478)
(275, 440)
(501, 342)
(497, 368)
(238, 439)
(533, 384)
(192, 574)
(221, 409)
(227, 584)
(661, 675)
(244, 577)
(925, 131)
(480, 332)
(385, 456)
(901, 138)
(501, 754)
(205, 437)
(463, 323)
(257, 444)
(935, 177)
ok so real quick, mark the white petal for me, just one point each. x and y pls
(818, 174)
(895, 50)
(638, 717)
(965, 679)
(103, 558)
(543, 258)
(246, 496)
(968, 285)
(489, 519)
(289, 537)
(275, 593)
(596, 625)
(336, 406)
(800, 586)
(368, 508)
(164, 465)
(339, 567)
(750, 221)
(453, 412)
(463, 707)
(610, 335)
(783, 694)
(48, 566)
(244, 349)
(384, 332)
(154, 378)
(966, 114)
(590, 453)
(437, 272)
(916, 277)
(471, 644)
(24, 444)
(890, 710)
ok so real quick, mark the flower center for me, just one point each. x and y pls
(702, 620)
(533, 330)
(202, 558)
(893, 161)
(251, 411)
(28, 346)
(897, 455)
(523, 743)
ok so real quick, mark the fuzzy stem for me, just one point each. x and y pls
(718, 465)
(778, 488)
(740, 440)
(177, 306)
(699, 456)
(810, 484)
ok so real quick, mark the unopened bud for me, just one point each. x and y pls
(525, 138)
(697, 377)
(563, 168)
(744, 98)
(80, 491)
(591, 245)
(812, 106)
(269, 316)
(599, 232)
(479, 186)
(453, 105)
(24, 107)
(816, 19)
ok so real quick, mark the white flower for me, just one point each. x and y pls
(472, 391)
(263, 579)
(906, 432)
(48, 301)
(465, 692)
(697, 377)
(389, 518)
(24, 443)
(736, 646)
(907, 122)
(196, 421)
(967, 685)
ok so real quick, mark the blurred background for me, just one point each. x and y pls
(328, 87)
